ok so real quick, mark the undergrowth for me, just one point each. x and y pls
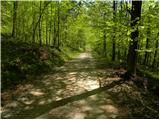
(21, 62)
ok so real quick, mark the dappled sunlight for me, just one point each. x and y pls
(6, 112)
(28, 108)
(42, 102)
(73, 93)
(72, 78)
(25, 100)
(71, 81)
(72, 73)
(91, 107)
(109, 109)
(8, 115)
(90, 85)
(57, 98)
(113, 78)
(77, 115)
(12, 104)
(37, 92)
(86, 108)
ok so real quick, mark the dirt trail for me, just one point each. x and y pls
(75, 90)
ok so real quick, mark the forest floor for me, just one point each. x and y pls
(80, 89)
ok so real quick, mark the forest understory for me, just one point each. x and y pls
(83, 82)
(80, 59)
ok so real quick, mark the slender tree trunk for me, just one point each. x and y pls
(145, 62)
(127, 19)
(55, 36)
(104, 43)
(50, 28)
(15, 6)
(119, 56)
(132, 54)
(155, 54)
(40, 40)
(114, 42)
(39, 19)
(23, 25)
(47, 27)
(104, 37)
(65, 34)
(58, 31)
(33, 19)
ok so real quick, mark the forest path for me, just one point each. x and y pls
(75, 90)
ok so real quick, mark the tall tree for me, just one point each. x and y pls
(55, 33)
(132, 54)
(40, 39)
(58, 31)
(47, 27)
(155, 53)
(114, 42)
(145, 62)
(104, 36)
(15, 6)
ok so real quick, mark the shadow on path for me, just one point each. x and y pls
(77, 89)
(43, 108)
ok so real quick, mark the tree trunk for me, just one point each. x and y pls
(104, 37)
(119, 56)
(15, 6)
(155, 54)
(47, 27)
(127, 23)
(39, 19)
(50, 29)
(104, 43)
(114, 42)
(66, 27)
(145, 62)
(55, 35)
(23, 25)
(33, 19)
(40, 40)
(132, 54)
(58, 31)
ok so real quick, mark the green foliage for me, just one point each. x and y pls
(65, 28)
(119, 30)
(20, 60)
(44, 35)
(38, 36)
